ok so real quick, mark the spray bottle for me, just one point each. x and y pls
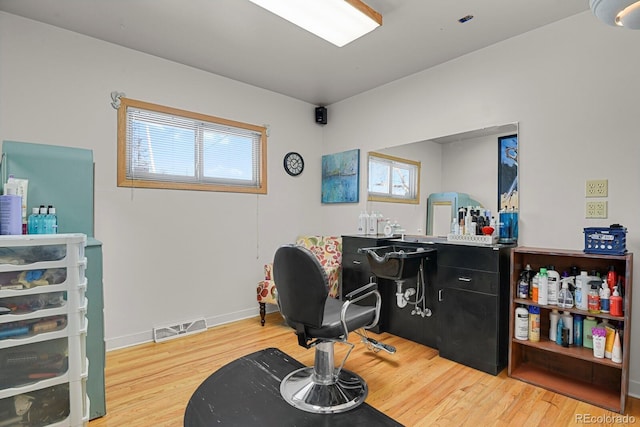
(565, 299)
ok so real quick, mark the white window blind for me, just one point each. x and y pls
(166, 148)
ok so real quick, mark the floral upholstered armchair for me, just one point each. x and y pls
(328, 250)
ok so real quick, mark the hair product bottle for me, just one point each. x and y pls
(553, 324)
(522, 323)
(534, 323)
(543, 287)
(615, 303)
(553, 280)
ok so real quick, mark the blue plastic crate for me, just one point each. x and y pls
(605, 240)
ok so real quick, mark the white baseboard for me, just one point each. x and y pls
(634, 389)
(147, 336)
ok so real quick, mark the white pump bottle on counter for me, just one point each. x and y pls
(363, 223)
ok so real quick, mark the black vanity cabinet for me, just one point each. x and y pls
(467, 291)
(356, 271)
(473, 305)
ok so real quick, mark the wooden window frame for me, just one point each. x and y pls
(124, 181)
(377, 197)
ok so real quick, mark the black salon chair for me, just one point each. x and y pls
(321, 321)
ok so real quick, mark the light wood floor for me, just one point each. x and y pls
(150, 384)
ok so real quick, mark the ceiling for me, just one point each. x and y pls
(242, 41)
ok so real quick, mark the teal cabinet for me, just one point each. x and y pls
(95, 333)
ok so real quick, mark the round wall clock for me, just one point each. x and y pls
(293, 163)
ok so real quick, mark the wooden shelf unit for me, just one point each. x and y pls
(572, 371)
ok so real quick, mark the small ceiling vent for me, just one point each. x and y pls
(165, 333)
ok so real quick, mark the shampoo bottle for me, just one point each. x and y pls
(616, 355)
(582, 290)
(593, 299)
(534, 323)
(605, 294)
(32, 221)
(543, 287)
(523, 285)
(577, 330)
(559, 328)
(554, 316)
(587, 335)
(553, 279)
(42, 224)
(567, 319)
(522, 323)
(612, 278)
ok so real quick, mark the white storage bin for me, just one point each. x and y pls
(32, 363)
(31, 278)
(64, 404)
(31, 303)
(47, 368)
(11, 332)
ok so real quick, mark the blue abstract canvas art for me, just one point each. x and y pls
(508, 172)
(341, 177)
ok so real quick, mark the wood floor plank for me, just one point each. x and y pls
(149, 385)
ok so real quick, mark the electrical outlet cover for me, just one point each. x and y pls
(597, 188)
(596, 210)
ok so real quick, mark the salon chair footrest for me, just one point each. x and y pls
(377, 345)
(302, 390)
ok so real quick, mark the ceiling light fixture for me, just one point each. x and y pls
(623, 13)
(337, 21)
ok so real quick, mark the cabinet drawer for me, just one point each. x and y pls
(352, 244)
(472, 280)
(472, 257)
(355, 272)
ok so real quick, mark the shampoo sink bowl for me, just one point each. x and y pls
(395, 262)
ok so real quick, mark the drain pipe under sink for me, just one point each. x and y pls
(403, 297)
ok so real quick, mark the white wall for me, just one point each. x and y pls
(169, 256)
(573, 88)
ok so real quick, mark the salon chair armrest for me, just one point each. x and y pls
(370, 289)
(366, 288)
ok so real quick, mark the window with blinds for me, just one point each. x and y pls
(163, 147)
(393, 179)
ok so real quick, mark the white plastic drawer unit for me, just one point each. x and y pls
(43, 330)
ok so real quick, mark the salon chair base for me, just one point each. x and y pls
(322, 389)
(301, 390)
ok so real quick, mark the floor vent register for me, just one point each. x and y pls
(165, 333)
